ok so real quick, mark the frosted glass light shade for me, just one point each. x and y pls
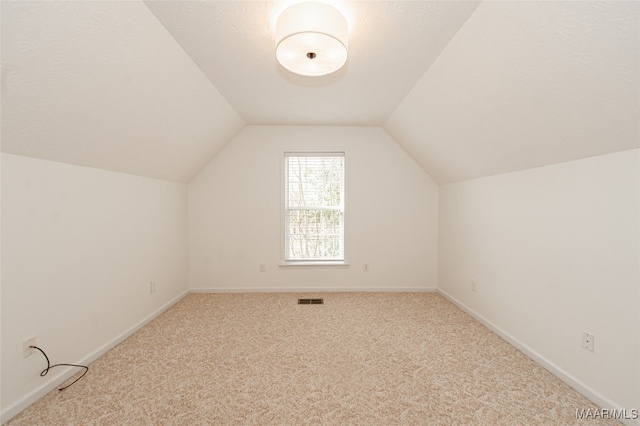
(311, 39)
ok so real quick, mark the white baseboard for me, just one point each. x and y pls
(314, 290)
(56, 381)
(593, 395)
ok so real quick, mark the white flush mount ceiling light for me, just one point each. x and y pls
(311, 39)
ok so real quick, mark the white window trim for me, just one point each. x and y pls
(303, 264)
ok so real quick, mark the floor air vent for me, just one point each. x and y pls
(310, 301)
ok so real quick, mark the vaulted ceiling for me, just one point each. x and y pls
(467, 88)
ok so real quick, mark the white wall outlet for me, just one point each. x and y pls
(152, 287)
(365, 267)
(26, 349)
(588, 340)
(262, 268)
(474, 285)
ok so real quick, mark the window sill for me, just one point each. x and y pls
(316, 264)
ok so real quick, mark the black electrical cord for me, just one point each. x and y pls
(49, 367)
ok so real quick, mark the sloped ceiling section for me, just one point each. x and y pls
(391, 45)
(102, 84)
(526, 84)
(469, 89)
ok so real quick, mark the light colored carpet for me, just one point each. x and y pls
(361, 359)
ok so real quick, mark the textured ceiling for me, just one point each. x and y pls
(526, 84)
(102, 84)
(391, 45)
(469, 89)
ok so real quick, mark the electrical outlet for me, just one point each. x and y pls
(26, 349)
(262, 268)
(365, 267)
(588, 340)
(474, 286)
(152, 287)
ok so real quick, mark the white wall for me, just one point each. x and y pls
(554, 250)
(235, 214)
(79, 248)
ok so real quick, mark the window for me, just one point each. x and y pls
(314, 206)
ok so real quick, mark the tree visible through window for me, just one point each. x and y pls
(314, 206)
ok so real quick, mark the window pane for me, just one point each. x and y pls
(315, 181)
(315, 234)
